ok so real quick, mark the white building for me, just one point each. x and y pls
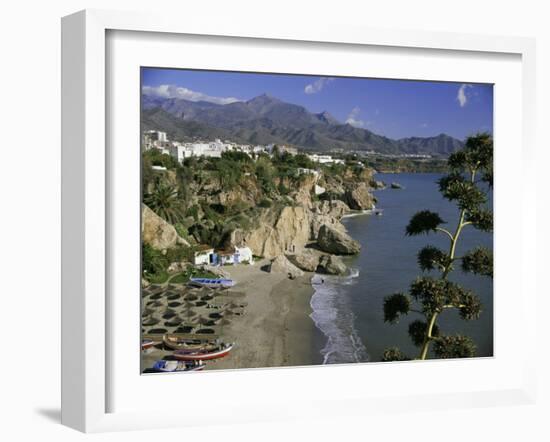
(182, 151)
(324, 159)
(304, 171)
(203, 255)
(244, 254)
(233, 255)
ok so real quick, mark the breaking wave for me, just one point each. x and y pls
(332, 314)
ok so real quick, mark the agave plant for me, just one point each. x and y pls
(466, 185)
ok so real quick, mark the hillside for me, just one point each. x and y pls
(265, 119)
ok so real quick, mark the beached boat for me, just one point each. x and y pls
(173, 366)
(176, 342)
(211, 282)
(203, 355)
(148, 343)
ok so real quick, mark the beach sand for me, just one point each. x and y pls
(276, 329)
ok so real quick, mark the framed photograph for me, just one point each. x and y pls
(291, 222)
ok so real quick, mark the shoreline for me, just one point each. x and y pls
(277, 329)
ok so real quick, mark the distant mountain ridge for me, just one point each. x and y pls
(266, 119)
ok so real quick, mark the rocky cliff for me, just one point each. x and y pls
(286, 232)
(158, 233)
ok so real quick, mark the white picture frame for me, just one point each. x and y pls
(86, 315)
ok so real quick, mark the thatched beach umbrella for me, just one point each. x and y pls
(155, 303)
(204, 321)
(174, 322)
(188, 313)
(150, 320)
(147, 311)
(232, 305)
(204, 291)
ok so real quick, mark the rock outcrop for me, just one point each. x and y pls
(332, 265)
(376, 184)
(334, 208)
(308, 260)
(178, 267)
(282, 265)
(359, 197)
(335, 241)
(158, 233)
(288, 233)
(329, 213)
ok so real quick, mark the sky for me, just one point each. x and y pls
(394, 108)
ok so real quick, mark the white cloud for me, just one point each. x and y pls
(353, 118)
(424, 125)
(317, 85)
(463, 95)
(172, 91)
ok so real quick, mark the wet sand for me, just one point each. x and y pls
(276, 329)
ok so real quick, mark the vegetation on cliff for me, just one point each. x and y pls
(268, 202)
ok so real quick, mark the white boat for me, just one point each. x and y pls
(211, 282)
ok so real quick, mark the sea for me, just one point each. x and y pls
(348, 310)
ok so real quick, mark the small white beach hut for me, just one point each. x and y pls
(244, 254)
(203, 255)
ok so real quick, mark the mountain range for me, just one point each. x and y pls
(266, 119)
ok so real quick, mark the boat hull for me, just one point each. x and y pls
(211, 283)
(184, 355)
(148, 344)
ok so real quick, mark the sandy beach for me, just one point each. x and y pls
(276, 329)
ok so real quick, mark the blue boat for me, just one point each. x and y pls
(211, 282)
(173, 366)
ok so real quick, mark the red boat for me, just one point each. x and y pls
(203, 354)
(148, 343)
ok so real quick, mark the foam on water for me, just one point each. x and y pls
(332, 315)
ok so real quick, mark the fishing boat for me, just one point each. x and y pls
(219, 351)
(176, 342)
(148, 343)
(211, 282)
(173, 366)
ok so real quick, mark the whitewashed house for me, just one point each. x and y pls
(244, 255)
(324, 159)
(304, 171)
(203, 255)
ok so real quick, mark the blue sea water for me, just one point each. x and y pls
(348, 310)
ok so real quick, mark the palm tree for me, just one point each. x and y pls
(164, 201)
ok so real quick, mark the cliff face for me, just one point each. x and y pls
(288, 233)
(288, 230)
(158, 233)
(273, 214)
(359, 197)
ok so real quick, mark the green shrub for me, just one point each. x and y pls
(265, 203)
